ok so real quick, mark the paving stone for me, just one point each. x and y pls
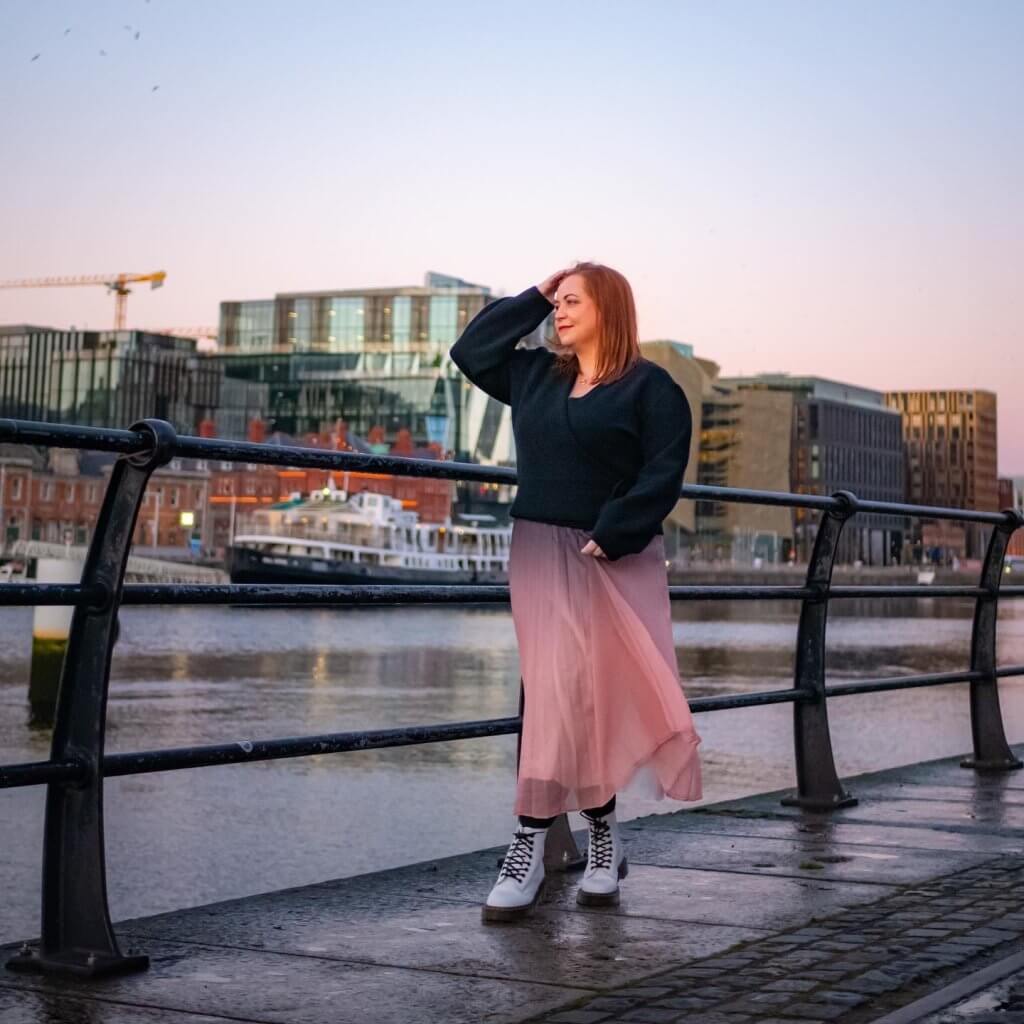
(791, 985)
(823, 974)
(814, 1011)
(873, 983)
(651, 1015)
(973, 939)
(611, 1004)
(788, 1020)
(686, 1003)
(840, 997)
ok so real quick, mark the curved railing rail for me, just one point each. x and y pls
(77, 936)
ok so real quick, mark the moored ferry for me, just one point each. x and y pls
(330, 537)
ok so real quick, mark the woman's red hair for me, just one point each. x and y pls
(618, 347)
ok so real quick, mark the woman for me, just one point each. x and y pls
(602, 440)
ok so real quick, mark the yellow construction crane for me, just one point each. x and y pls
(117, 283)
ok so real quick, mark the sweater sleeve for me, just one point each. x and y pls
(627, 523)
(484, 350)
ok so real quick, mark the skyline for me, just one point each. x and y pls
(827, 190)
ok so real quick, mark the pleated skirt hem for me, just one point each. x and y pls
(671, 770)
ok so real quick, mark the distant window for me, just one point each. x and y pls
(16, 488)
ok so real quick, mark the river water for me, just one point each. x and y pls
(188, 676)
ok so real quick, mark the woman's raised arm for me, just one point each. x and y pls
(484, 350)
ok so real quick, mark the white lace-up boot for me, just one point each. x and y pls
(606, 863)
(521, 879)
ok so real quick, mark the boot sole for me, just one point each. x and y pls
(504, 914)
(602, 899)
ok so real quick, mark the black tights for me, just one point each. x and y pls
(594, 812)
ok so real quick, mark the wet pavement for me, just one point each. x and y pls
(745, 911)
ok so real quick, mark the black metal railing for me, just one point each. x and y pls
(76, 933)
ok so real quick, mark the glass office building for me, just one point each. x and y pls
(105, 378)
(307, 394)
(390, 331)
(374, 357)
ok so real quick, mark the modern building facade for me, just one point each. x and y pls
(841, 437)
(740, 439)
(383, 331)
(746, 443)
(692, 375)
(374, 357)
(110, 378)
(950, 446)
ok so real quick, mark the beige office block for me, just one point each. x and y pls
(761, 460)
(693, 377)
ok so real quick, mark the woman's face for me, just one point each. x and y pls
(575, 313)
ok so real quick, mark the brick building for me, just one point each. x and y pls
(193, 503)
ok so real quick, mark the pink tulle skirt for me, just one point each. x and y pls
(604, 708)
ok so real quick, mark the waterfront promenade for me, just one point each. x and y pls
(738, 912)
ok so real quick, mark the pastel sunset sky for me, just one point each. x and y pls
(831, 188)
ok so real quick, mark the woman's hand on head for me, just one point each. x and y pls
(549, 286)
(592, 548)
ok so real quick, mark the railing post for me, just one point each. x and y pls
(991, 751)
(818, 785)
(77, 936)
(560, 850)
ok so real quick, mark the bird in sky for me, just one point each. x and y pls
(103, 53)
(137, 34)
(67, 31)
(155, 87)
(36, 57)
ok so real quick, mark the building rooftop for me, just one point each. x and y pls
(813, 387)
(682, 347)
(433, 282)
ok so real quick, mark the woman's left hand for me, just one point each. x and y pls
(592, 548)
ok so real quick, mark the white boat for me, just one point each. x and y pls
(367, 538)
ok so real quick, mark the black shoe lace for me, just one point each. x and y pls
(600, 843)
(519, 857)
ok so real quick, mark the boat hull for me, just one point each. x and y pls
(248, 566)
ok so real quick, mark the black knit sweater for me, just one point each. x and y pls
(611, 461)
